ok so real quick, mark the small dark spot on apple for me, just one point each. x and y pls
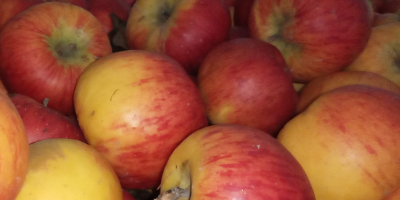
(141, 18)
(45, 130)
(92, 113)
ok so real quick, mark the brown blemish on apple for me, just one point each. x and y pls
(92, 113)
(40, 153)
(113, 94)
(164, 13)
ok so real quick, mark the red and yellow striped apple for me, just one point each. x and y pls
(246, 81)
(347, 141)
(45, 48)
(135, 107)
(315, 37)
(234, 162)
(184, 30)
(14, 150)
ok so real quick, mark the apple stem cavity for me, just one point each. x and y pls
(65, 51)
(165, 13)
(174, 194)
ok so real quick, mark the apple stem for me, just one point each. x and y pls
(174, 194)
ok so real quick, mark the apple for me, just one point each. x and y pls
(42, 122)
(135, 107)
(14, 149)
(394, 195)
(382, 53)
(315, 37)
(102, 9)
(385, 18)
(62, 168)
(328, 82)
(347, 143)
(9, 8)
(246, 81)
(184, 30)
(45, 48)
(242, 11)
(234, 162)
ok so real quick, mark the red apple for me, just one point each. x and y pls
(14, 150)
(42, 122)
(184, 30)
(102, 9)
(315, 37)
(234, 162)
(246, 81)
(9, 8)
(347, 141)
(135, 107)
(242, 12)
(44, 50)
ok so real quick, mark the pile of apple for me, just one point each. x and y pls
(200, 99)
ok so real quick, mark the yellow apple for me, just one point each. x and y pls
(326, 83)
(347, 141)
(68, 169)
(382, 53)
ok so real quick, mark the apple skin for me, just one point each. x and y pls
(246, 81)
(315, 37)
(42, 122)
(394, 195)
(347, 143)
(323, 84)
(31, 41)
(102, 9)
(62, 168)
(381, 55)
(14, 150)
(235, 162)
(186, 31)
(10, 8)
(385, 18)
(135, 107)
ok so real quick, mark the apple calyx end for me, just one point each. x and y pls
(174, 194)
